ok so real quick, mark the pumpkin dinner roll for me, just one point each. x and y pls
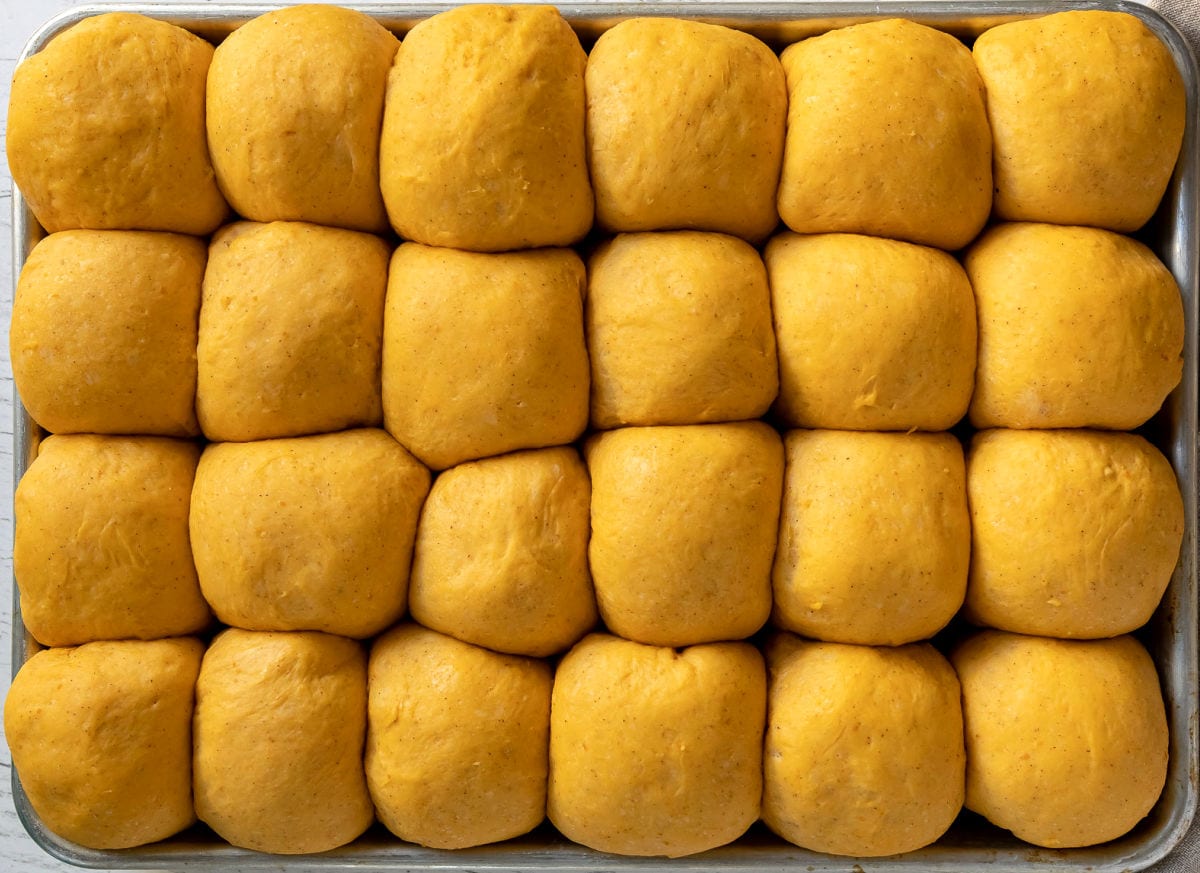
(483, 353)
(100, 735)
(1078, 327)
(1093, 545)
(307, 533)
(1066, 739)
(685, 125)
(887, 135)
(872, 334)
(683, 530)
(1087, 111)
(482, 145)
(101, 548)
(864, 746)
(679, 330)
(294, 110)
(874, 536)
(457, 739)
(279, 731)
(501, 553)
(291, 320)
(655, 751)
(93, 141)
(103, 335)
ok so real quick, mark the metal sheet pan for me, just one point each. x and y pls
(971, 844)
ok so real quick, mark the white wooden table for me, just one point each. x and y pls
(18, 20)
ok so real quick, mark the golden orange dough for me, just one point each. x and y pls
(501, 553)
(101, 546)
(101, 738)
(874, 536)
(95, 142)
(873, 334)
(482, 144)
(1075, 533)
(103, 336)
(1087, 112)
(457, 739)
(1066, 739)
(295, 106)
(887, 135)
(864, 746)
(307, 533)
(655, 751)
(679, 330)
(685, 128)
(290, 331)
(483, 353)
(683, 530)
(1078, 327)
(279, 732)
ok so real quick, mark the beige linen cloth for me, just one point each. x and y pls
(1185, 15)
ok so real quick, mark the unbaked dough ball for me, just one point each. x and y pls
(100, 735)
(457, 739)
(307, 533)
(1087, 113)
(1066, 739)
(874, 536)
(679, 330)
(290, 331)
(887, 135)
(1078, 327)
(1075, 533)
(501, 553)
(295, 105)
(864, 746)
(483, 353)
(483, 143)
(685, 128)
(101, 546)
(96, 141)
(873, 334)
(279, 731)
(683, 530)
(655, 751)
(103, 336)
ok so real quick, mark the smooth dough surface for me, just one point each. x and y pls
(864, 746)
(1087, 112)
(1075, 533)
(103, 335)
(683, 530)
(679, 330)
(294, 110)
(290, 330)
(307, 533)
(1078, 327)
(872, 334)
(483, 144)
(457, 744)
(685, 128)
(501, 553)
(279, 732)
(1066, 739)
(655, 751)
(95, 142)
(887, 135)
(874, 536)
(101, 548)
(100, 735)
(483, 353)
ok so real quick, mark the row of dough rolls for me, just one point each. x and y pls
(489, 128)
